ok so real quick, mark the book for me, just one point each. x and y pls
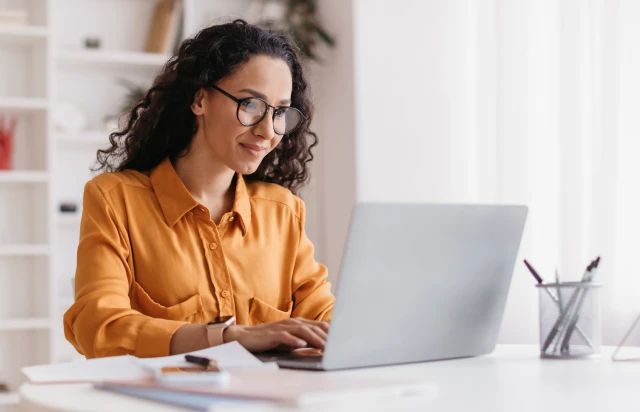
(174, 34)
(285, 387)
(187, 400)
(13, 17)
(165, 25)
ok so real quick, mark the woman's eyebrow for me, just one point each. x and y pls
(263, 97)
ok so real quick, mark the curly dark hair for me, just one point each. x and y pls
(162, 124)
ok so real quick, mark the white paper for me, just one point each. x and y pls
(229, 356)
(103, 369)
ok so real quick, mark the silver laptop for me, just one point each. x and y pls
(418, 282)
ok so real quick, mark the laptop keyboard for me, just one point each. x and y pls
(272, 357)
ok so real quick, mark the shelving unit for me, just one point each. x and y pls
(41, 65)
(17, 250)
(25, 239)
(10, 398)
(88, 137)
(26, 198)
(25, 324)
(23, 104)
(68, 219)
(111, 58)
(23, 35)
(23, 176)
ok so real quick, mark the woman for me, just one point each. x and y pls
(196, 222)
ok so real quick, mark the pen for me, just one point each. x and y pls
(576, 312)
(568, 315)
(208, 364)
(556, 301)
(560, 305)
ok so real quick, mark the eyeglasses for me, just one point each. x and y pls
(251, 111)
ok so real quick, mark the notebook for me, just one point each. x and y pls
(287, 387)
(192, 401)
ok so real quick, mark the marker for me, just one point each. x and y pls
(533, 272)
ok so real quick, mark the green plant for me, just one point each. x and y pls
(135, 93)
(300, 20)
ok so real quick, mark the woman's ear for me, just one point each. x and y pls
(197, 106)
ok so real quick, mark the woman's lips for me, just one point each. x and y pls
(253, 150)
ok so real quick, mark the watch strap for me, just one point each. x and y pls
(215, 332)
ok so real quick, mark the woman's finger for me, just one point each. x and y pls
(320, 332)
(307, 333)
(283, 337)
(322, 325)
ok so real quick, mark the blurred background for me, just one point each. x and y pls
(474, 101)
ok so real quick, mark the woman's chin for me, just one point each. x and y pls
(246, 168)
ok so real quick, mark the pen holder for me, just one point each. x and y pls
(570, 325)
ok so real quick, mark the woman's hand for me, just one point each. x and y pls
(292, 333)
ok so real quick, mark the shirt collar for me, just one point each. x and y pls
(175, 200)
(242, 204)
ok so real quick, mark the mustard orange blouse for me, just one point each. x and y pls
(150, 259)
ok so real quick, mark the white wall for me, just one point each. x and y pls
(417, 109)
(411, 100)
(334, 166)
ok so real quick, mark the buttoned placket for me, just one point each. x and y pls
(211, 237)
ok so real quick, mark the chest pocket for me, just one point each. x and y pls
(189, 310)
(261, 312)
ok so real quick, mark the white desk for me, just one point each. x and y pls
(513, 378)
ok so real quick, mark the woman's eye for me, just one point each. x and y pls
(250, 105)
(281, 112)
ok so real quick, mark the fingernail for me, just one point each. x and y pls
(301, 342)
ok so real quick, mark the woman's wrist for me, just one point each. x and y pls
(232, 333)
(188, 338)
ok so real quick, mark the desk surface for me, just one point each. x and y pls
(513, 378)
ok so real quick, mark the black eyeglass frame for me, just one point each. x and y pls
(273, 116)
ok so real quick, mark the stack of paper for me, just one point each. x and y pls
(229, 356)
(252, 384)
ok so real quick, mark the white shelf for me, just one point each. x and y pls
(24, 324)
(18, 250)
(71, 218)
(66, 301)
(14, 34)
(23, 104)
(23, 176)
(10, 398)
(88, 137)
(112, 58)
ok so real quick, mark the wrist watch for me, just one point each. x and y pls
(216, 327)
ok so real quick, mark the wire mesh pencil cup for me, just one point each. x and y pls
(570, 324)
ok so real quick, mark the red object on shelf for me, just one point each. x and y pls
(6, 143)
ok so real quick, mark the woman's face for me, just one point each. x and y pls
(239, 147)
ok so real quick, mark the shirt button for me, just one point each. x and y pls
(213, 245)
(202, 209)
(231, 219)
(225, 293)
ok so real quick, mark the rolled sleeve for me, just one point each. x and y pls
(102, 322)
(155, 336)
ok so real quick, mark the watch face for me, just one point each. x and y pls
(221, 319)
